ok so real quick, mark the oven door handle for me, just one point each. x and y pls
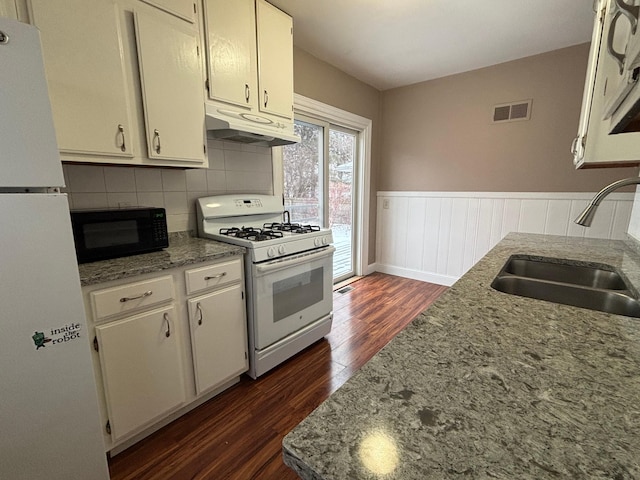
(294, 260)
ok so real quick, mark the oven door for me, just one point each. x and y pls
(291, 293)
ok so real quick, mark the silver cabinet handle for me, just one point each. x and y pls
(156, 139)
(199, 312)
(247, 92)
(631, 12)
(619, 57)
(166, 319)
(574, 145)
(266, 98)
(123, 145)
(142, 295)
(213, 277)
(4, 38)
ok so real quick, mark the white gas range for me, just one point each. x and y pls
(288, 270)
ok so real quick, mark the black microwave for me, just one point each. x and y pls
(111, 233)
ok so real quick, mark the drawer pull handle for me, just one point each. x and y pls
(213, 277)
(166, 319)
(142, 295)
(199, 311)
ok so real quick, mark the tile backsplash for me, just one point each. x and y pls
(233, 168)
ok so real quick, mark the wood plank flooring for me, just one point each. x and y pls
(238, 434)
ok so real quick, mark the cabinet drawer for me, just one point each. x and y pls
(204, 278)
(131, 297)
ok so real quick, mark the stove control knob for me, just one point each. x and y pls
(324, 240)
(282, 250)
(317, 242)
(271, 252)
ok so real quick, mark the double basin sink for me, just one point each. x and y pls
(568, 282)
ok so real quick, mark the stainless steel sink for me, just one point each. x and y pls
(569, 283)
(545, 269)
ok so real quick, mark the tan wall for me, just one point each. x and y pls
(320, 81)
(438, 135)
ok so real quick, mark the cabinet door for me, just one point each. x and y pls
(8, 9)
(141, 366)
(275, 60)
(231, 51)
(218, 337)
(594, 145)
(184, 9)
(82, 47)
(172, 91)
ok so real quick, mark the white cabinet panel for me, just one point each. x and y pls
(128, 298)
(142, 369)
(231, 42)
(172, 90)
(86, 75)
(213, 276)
(8, 9)
(275, 60)
(218, 337)
(603, 86)
(184, 9)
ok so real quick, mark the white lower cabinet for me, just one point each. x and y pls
(218, 336)
(141, 369)
(164, 344)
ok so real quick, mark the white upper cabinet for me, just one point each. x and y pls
(610, 87)
(275, 60)
(184, 9)
(125, 80)
(8, 9)
(171, 89)
(84, 62)
(250, 59)
(231, 44)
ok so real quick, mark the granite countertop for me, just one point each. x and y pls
(183, 249)
(488, 385)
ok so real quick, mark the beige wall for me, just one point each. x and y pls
(320, 81)
(438, 136)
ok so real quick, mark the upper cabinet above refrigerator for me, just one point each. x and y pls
(609, 127)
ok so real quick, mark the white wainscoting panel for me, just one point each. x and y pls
(438, 236)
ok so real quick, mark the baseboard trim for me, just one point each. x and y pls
(445, 280)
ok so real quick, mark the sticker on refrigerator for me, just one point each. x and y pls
(57, 336)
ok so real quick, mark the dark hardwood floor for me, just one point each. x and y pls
(238, 434)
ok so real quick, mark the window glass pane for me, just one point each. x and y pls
(342, 155)
(302, 174)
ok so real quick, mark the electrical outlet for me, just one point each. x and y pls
(385, 203)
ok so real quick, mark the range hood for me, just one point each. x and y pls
(244, 127)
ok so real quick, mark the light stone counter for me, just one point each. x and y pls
(183, 249)
(488, 385)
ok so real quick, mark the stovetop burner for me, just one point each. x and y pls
(291, 227)
(251, 233)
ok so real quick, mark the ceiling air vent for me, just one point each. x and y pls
(512, 112)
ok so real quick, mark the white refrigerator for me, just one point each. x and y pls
(49, 420)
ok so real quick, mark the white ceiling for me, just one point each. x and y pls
(392, 43)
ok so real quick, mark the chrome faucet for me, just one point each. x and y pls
(586, 217)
